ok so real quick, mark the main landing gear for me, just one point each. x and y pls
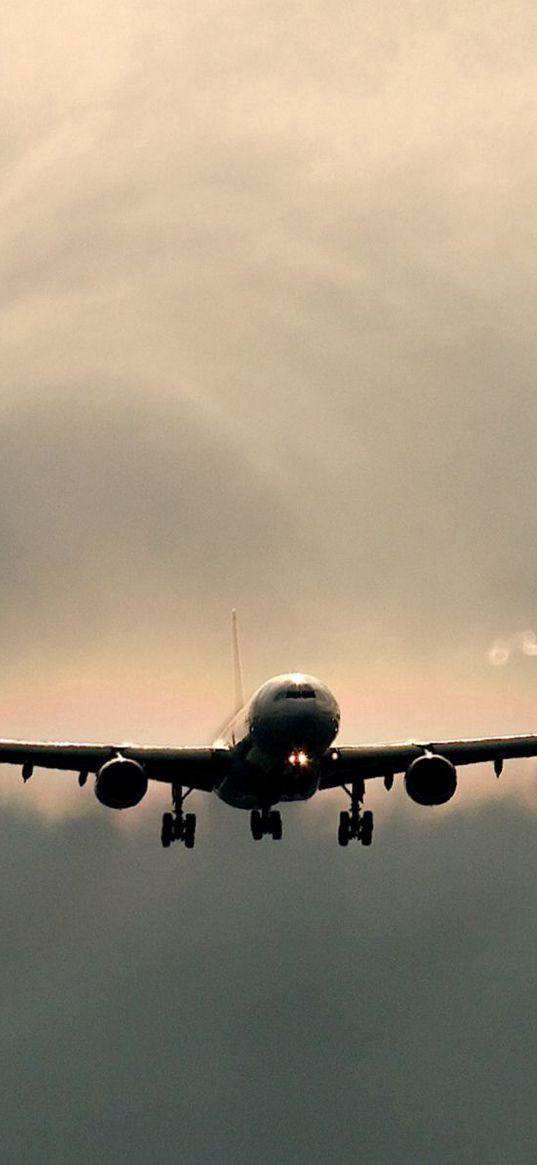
(355, 825)
(266, 822)
(178, 826)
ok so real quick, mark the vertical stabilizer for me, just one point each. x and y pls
(238, 690)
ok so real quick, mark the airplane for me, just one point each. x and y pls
(280, 746)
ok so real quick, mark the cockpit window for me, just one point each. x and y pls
(301, 692)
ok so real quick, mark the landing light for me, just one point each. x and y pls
(298, 758)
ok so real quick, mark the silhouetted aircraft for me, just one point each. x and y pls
(278, 747)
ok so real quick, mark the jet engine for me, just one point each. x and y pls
(431, 780)
(120, 783)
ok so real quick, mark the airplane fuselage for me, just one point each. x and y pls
(277, 741)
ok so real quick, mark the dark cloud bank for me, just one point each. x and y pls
(270, 1004)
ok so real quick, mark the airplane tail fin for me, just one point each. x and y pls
(238, 688)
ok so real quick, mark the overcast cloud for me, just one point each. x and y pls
(291, 248)
(275, 1004)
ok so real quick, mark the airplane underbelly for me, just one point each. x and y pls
(252, 786)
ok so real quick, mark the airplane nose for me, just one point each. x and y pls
(303, 724)
(303, 729)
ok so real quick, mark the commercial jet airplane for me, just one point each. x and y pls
(280, 746)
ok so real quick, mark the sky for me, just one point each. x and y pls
(267, 342)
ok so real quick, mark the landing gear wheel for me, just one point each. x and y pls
(256, 825)
(178, 826)
(189, 831)
(356, 825)
(344, 831)
(167, 831)
(366, 832)
(275, 825)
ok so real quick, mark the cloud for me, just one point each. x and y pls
(204, 208)
(267, 342)
(156, 996)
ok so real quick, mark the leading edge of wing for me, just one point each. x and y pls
(195, 767)
(379, 760)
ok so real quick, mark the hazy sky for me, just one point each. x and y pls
(268, 341)
(268, 289)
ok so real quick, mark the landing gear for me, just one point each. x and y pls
(366, 834)
(178, 826)
(266, 822)
(167, 831)
(344, 832)
(256, 825)
(189, 830)
(276, 827)
(356, 825)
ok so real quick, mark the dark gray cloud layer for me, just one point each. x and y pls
(293, 1003)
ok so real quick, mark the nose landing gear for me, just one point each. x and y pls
(178, 826)
(355, 825)
(266, 822)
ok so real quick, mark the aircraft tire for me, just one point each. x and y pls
(166, 834)
(256, 825)
(190, 830)
(344, 831)
(366, 835)
(276, 827)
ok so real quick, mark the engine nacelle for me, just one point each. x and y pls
(121, 783)
(431, 780)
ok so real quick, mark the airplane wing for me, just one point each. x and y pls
(342, 765)
(203, 768)
(195, 767)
